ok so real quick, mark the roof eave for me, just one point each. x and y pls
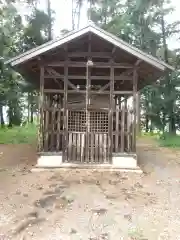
(46, 47)
(160, 65)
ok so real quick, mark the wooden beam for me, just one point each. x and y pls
(89, 45)
(111, 111)
(95, 64)
(123, 92)
(127, 72)
(88, 81)
(121, 77)
(56, 74)
(117, 99)
(50, 72)
(123, 128)
(113, 53)
(135, 81)
(138, 113)
(93, 54)
(138, 62)
(87, 112)
(104, 88)
(91, 92)
(65, 126)
(41, 104)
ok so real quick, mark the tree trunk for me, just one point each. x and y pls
(164, 121)
(172, 122)
(28, 107)
(151, 127)
(147, 123)
(50, 19)
(10, 116)
(172, 127)
(31, 106)
(31, 112)
(73, 15)
(90, 9)
(1, 116)
(164, 39)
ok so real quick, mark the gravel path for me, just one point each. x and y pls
(90, 205)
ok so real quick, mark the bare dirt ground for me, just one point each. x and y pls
(88, 205)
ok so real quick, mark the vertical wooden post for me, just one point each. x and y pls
(46, 127)
(111, 111)
(88, 87)
(117, 125)
(41, 110)
(135, 80)
(65, 125)
(138, 111)
(87, 112)
(58, 146)
(123, 127)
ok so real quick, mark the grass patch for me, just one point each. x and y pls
(168, 140)
(149, 134)
(21, 134)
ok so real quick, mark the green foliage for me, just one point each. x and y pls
(16, 37)
(169, 140)
(16, 135)
(36, 32)
(143, 24)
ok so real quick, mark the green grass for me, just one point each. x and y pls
(16, 135)
(164, 140)
(148, 135)
(171, 141)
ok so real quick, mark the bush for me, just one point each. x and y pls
(20, 134)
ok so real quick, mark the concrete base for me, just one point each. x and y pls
(49, 160)
(124, 161)
(84, 168)
(120, 162)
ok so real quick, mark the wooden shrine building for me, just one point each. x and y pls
(88, 82)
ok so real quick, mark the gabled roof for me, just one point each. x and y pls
(97, 31)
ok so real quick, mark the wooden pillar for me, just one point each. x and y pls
(135, 80)
(65, 120)
(88, 88)
(41, 111)
(87, 112)
(111, 111)
(138, 111)
(117, 125)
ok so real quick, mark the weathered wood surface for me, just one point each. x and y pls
(41, 112)
(95, 64)
(65, 117)
(77, 148)
(87, 116)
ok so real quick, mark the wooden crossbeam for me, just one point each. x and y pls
(51, 73)
(95, 64)
(101, 90)
(57, 75)
(104, 87)
(113, 51)
(79, 77)
(93, 54)
(138, 62)
(91, 92)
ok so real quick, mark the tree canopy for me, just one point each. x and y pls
(142, 23)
